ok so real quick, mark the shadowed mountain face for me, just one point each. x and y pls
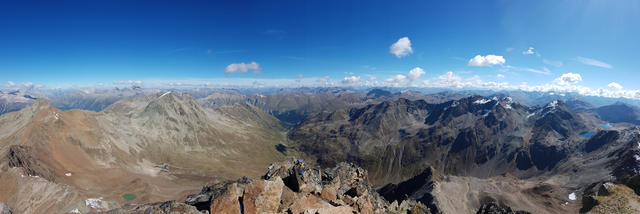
(292, 108)
(471, 136)
(619, 113)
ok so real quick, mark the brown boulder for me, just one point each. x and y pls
(287, 198)
(262, 196)
(329, 193)
(310, 202)
(228, 202)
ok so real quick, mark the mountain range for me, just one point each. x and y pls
(445, 152)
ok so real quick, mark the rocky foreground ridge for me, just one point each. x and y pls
(288, 187)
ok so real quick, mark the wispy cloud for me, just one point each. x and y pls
(544, 70)
(552, 63)
(529, 51)
(593, 62)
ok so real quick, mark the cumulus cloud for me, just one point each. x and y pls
(397, 79)
(488, 60)
(529, 51)
(499, 76)
(415, 73)
(568, 79)
(243, 68)
(450, 79)
(128, 82)
(593, 62)
(614, 85)
(400, 79)
(351, 80)
(11, 84)
(401, 48)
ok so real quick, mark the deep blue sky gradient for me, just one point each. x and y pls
(87, 42)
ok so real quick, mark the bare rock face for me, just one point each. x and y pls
(25, 157)
(262, 196)
(229, 201)
(223, 191)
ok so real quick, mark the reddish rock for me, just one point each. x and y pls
(364, 206)
(287, 198)
(328, 193)
(306, 203)
(228, 202)
(262, 196)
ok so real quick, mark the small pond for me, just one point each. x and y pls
(605, 126)
(129, 197)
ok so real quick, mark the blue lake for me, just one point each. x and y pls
(605, 126)
(587, 134)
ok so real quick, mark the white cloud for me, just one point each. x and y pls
(11, 84)
(400, 79)
(529, 51)
(449, 79)
(415, 73)
(593, 62)
(499, 76)
(488, 60)
(614, 85)
(243, 68)
(128, 82)
(568, 79)
(351, 80)
(397, 79)
(401, 48)
(324, 80)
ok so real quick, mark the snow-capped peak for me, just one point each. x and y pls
(481, 101)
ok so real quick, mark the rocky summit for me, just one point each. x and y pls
(290, 186)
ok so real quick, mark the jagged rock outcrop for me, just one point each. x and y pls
(293, 187)
(418, 188)
(25, 158)
(493, 208)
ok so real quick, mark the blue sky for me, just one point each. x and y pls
(85, 43)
